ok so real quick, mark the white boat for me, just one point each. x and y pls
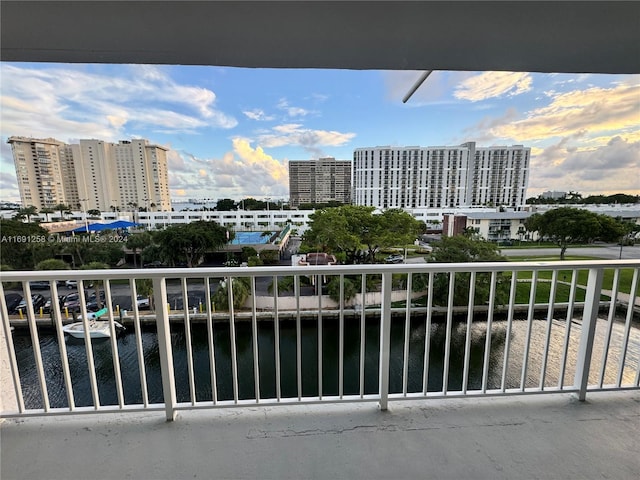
(97, 328)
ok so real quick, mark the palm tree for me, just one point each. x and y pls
(46, 211)
(29, 211)
(25, 212)
(137, 242)
(94, 212)
(62, 208)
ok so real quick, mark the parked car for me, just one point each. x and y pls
(36, 299)
(395, 258)
(39, 285)
(71, 302)
(74, 284)
(154, 264)
(143, 303)
(47, 306)
(12, 300)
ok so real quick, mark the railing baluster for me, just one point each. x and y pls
(296, 286)
(407, 331)
(319, 290)
(88, 346)
(164, 348)
(627, 328)
(35, 340)
(254, 340)
(385, 340)
(447, 342)
(363, 339)
(532, 302)
(114, 343)
(507, 339)
(212, 350)
(64, 359)
(610, 320)
(427, 336)
(276, 329)
(589, 318)
(139, 350)
(341, 340)
(568, 324)
(187, 339)
(545, 354)
(232, 332)
(13, 362)
(489, 325)
(467, 341)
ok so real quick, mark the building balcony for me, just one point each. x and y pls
(406, 370)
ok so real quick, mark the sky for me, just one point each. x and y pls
(232, 131)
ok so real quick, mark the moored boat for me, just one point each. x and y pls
(97, 328)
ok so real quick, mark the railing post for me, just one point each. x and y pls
(589, 320)
(164, 347)
(385, 340)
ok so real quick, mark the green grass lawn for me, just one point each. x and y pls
(624, 283)
(539, 245)
(523, 290)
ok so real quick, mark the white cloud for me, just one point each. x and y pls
(244, 171)
(591, 111)
(258, 114)
(610, 168)
(80, 104)
(311, 140)
(283, 104)
(493, 84)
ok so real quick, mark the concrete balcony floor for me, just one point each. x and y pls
(543, 436)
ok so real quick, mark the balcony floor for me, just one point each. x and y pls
(543, 436)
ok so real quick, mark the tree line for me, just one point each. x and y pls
(574, 198)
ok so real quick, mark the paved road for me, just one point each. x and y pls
(607, 252)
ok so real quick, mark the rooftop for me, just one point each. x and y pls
(543, 436)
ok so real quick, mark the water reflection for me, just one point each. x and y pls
(500, 345)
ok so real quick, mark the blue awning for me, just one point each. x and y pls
(123, 224)
(93, 227)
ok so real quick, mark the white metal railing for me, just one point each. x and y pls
(468, 320)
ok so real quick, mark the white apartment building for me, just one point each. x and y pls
(440, 177)
(92, 174)
(237, 220)
(319, 181)
(41, 166)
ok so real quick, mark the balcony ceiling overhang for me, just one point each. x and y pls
(553, 36)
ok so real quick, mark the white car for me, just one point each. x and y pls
(143, 303)
(74, 284)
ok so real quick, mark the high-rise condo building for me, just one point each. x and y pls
(435, 177)
(41, 166)
(92, 174)
(319, 181)
(127, 174)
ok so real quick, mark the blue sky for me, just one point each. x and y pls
(231, 131)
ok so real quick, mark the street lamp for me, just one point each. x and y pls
(84, 213)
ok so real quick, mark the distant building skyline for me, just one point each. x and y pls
(319, 181)
(91, 174)
(442, 176)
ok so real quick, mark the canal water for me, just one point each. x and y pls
(309, 334)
